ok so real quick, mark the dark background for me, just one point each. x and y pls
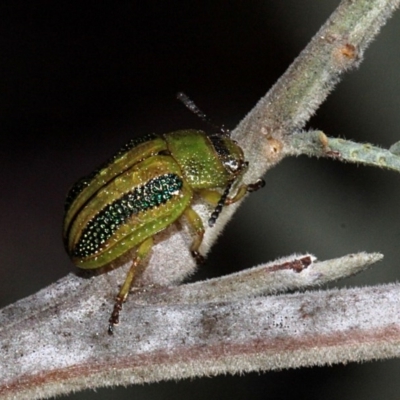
(80, 79)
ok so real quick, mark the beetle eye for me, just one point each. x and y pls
(232, 164)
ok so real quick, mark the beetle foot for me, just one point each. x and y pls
(258, 184)
(198, 257)
(114, 319)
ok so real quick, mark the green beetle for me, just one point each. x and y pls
(144, 188)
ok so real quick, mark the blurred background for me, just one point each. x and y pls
(78, 80)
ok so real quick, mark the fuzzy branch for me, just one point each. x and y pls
(55, 341)
(317, 144)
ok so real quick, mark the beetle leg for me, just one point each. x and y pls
(197, 225)
(142, 252)
(225, 200)
(213, 196)
(210, 196)
(252, 187)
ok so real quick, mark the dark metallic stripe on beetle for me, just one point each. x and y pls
(84, 182)
(154, 193)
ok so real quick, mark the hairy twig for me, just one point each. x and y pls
(49, 347)
(317, 144)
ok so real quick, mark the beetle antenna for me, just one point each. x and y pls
(188, 103)
(220, 205)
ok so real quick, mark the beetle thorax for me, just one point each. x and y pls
(206, 161)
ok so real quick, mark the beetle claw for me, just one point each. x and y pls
(198, 257)
(114, 319)
(258, 184)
